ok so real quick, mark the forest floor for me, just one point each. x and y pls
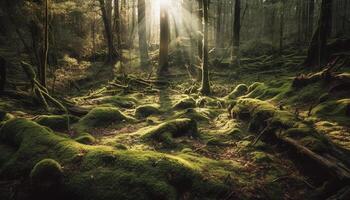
(160, 130)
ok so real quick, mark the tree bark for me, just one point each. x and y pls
(2, 74)
(112, 54)
(164, 41)
(205, 89)
(200, 25)
(236, 32)
(142, 31)
(318, 52)
(117, 25)
(42, 75)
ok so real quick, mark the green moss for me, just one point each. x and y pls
(120, 146)
(260, 157)
(185, 103)
(119, 101)
(57, 122)
(197, 114)
(85, 138)
(338, 110)
(46, 175)
(215, 142)
(240, 90)
(172, 129)
(101, 172)
(147, 110)
(101, 116)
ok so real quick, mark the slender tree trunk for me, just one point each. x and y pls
(200, 25)
(117, 25)
(142, 31)
(311, 14)
(2, 74)
(205, 89)
(282, 10)
(46, 46)
(218, 25)
(236, 32)
(318, 52)
(164, 41)
(112, 54)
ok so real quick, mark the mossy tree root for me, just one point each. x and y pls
(285, 128)
(165, 132)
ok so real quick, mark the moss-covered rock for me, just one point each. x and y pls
(85, 138)
(46, 175)
(165, 132)
(240, 90)
(185, 103)
(101, 116)
(146, 110)
(57, 122)
(197, 114)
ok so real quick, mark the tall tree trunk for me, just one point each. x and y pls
(117, 25)
(311, 13)
(218, 25)
(200, 25)
(164, 40)
(282, 10)
(236, 32)
(205, 89)
(2, 74)
(318, 52)
(142, 31)
(112, 54)
(46, 46)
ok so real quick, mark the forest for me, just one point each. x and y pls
(175, 99)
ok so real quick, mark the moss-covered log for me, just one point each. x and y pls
(286, 128)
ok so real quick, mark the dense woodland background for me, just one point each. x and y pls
(175, 99)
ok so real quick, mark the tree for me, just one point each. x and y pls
(112, 53)
(236, 31)
(318, 52)
(205, 89)
(117, 25)
(2, 74)
(143, 46)
(200, 25)
(43, 69)
(164, 40)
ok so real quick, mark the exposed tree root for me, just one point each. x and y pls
(300, 137)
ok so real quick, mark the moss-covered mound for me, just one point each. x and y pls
(240, 90)
(100, 172)
(57, 122)
(185, 103)
(46, 175)
(165, 132)
(118, 101)
(101, 116)
(146, 110)
(85, 138)
(339, 109)
(197, 114)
